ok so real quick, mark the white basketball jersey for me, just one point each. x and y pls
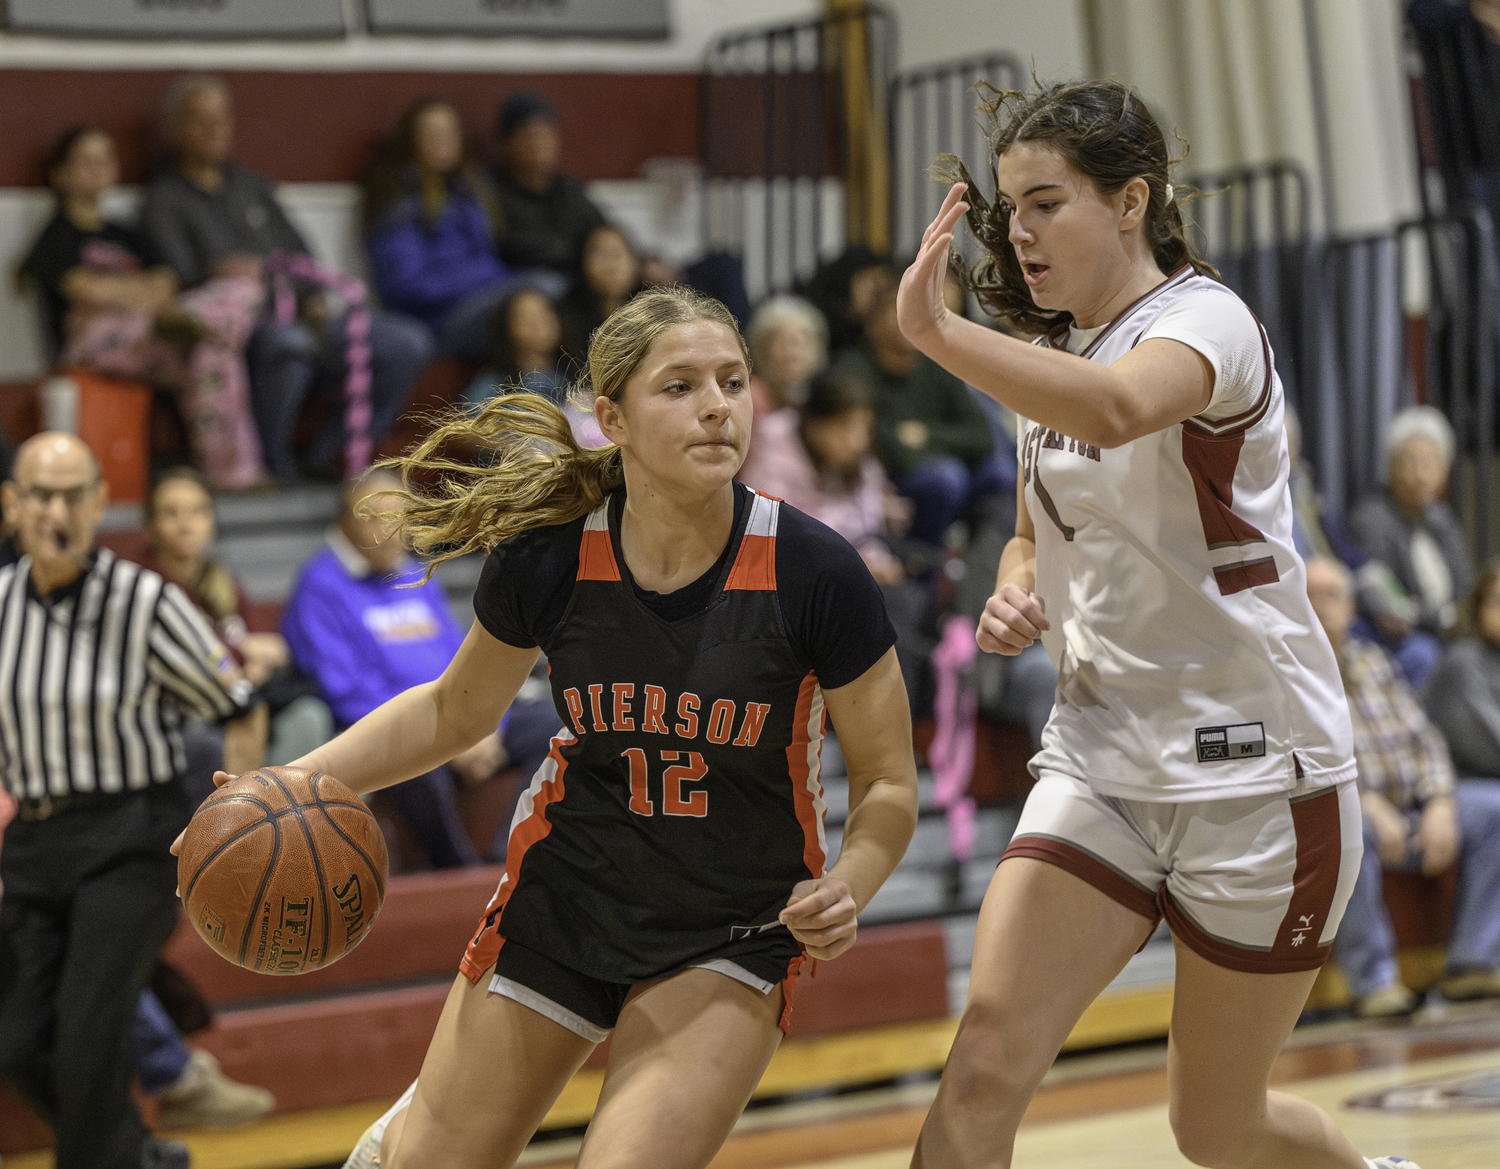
(1191, 665)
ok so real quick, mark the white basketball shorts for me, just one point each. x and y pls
(1256, 884)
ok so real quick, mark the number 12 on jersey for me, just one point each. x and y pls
(673, 804)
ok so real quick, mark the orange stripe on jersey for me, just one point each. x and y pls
(788, 987)
(596, 551)
(527, 828)
(804, 761)
(755, 564)
(755, 567)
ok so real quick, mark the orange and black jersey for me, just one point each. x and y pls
(681, 801)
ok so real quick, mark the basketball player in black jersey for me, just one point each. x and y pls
(666, 868)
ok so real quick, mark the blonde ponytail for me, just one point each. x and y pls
(539, 475)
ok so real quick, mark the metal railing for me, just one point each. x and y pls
(1254, 224)
(1334, 311)
(934, 110)
(773, 145)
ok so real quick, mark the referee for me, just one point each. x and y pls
(100, 662)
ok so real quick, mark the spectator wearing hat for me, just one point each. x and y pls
(545, 214)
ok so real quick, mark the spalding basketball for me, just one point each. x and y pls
(282, 870)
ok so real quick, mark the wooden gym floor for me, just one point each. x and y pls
(1428, 1089)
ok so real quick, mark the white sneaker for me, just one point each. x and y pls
(366, 1153)
(1391, 1163)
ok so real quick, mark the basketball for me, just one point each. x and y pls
(282, 870)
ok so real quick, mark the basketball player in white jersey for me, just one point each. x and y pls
(1198, 765)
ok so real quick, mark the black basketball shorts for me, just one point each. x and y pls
(590, 1007)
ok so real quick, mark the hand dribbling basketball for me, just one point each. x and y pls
(281, 870)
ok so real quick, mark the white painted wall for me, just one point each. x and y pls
(694, 24)
(1050, 33)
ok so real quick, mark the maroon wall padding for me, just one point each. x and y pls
(20, 410)
(331, 1051)
(323, 127)
(127, 543)
(421, 932)
(1001, 753)
(892, 974)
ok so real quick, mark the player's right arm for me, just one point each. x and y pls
(429, 724)
(1015, 616)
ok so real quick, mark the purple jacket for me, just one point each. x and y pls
(365, 638)
(427, 271)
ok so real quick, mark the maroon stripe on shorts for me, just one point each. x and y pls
(1086, 868)
(1320, 850)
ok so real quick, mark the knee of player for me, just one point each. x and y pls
(994, 1063)
(1206, 1137)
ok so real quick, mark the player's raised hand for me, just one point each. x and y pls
(220, 779)
(822, 916)
(920, 310)
(1013, 618)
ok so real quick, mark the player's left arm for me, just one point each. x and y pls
(1158, 384)
(874, 728)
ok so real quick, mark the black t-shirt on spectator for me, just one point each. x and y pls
(546, 229)
(833, 611)
(63, 246)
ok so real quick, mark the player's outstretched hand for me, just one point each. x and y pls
(821, 915)
(920, 309)
(1013, 618)
(220, 779)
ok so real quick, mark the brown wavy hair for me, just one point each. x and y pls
(538, 476)
(1107, 133)
(394, 186)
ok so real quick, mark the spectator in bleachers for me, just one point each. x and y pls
(360, 623)
(1417, 818)
(545, 214)
(1462, 694)
(1314, 531)
(522, 741)
(110, 304)
(181, 526)
(845, 291)
(819, 460)
(206, 217)
(430, 220)
(1418, 567)
(609, 274)
(524, 350)
(930, 432)
(788, 339)
(525, 355)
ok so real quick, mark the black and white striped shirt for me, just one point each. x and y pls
(96, 679)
